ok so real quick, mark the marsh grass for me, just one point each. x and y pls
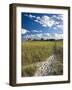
(38, 51)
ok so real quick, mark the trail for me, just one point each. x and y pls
(44, 68)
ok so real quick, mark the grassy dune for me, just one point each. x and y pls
(38, 51)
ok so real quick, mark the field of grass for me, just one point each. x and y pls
(38, 51)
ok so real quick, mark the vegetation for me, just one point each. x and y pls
(38, 51)
(29, 70)
(58, 66)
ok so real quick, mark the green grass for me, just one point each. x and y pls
(38, 51)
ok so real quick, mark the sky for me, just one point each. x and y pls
(41, 25)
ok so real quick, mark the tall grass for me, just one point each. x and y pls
(37, 51)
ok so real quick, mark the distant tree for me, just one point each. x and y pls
(47, 39)
(29, 39)
(42, 39)
(51, 39)
(34, 39)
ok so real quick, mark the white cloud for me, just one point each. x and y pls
(50, 23)
(35, 31)
(44, 25)
(54, 28)
(25, 14)
(36, 21)
(23, 31)
(45, 36)
(31, 16)
(40, 31)
(59, 26)
(38, 18)
(45, 21)
(39, 35)
(59, 17)
(53, 21)
(58, 36)
(50, 36)
(54, 16)
(57, 23)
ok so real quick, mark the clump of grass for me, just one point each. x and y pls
(57, 67)
(28, 70)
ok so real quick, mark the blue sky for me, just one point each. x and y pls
(41, 25)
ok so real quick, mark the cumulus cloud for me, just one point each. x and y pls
(58, 36)
(54, 22)
(50, 36)
(25, 14)
(45, 36)
(55, 28)
(57, 22)
(36, 21)
(48, 21)
(44, 25)
(35, 30)
(31, 16)
(45, 21)
(23, 31)
(58, 17)
(38, 18)
(59, 26)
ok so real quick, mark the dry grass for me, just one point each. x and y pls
(38, 51)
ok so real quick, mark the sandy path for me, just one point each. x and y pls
(44, 68)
